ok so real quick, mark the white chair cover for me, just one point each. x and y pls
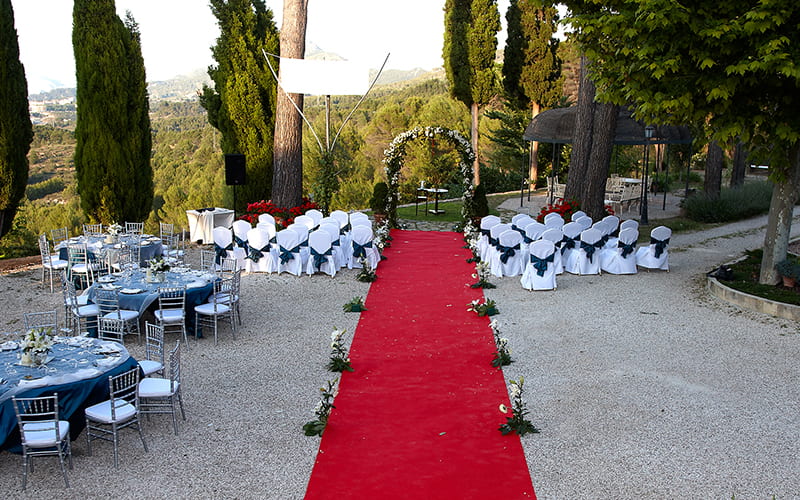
(632, 223)
(577, 215)
(555, 235)
(553, 216)
(533, 231)
(358, 216)
(262, 256)
(517, 220)
(344, 230)
(585, 221)
(306, 221)
(361, 221)
(570, 246)
(362, 246)
(655, 255)
(223, 244)
(321, 259)
(302, 234)
(494, 240)
(540, 272)
(622, 258)
(240, 244)
(486, 225)
(289, 259)
(589, 252)
(332, 228)
(315, 215)
(507, 260)
(266, 218)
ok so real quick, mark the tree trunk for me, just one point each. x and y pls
(287, 177)
(533, 170)
(779, 223)
(582, 142)
(476, 165)
(714, 164)
(594, 181)
(739, 165)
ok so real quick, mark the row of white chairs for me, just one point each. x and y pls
(539, 252)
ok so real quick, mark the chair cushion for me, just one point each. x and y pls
(150, 366)
(101, 412)
(56, 264)
(123, 314)
(208, 309)
(88, 310)
(169, 315)
(42, 434)
(156, 388)
(223, 298)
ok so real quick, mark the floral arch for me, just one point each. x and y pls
(395, 155)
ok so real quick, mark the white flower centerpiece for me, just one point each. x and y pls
(36, 345)
(114, 230)
(156, 270)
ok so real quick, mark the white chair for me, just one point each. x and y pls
(556, 236)
(223, 244)
(332, 228)
(517, 220)
(494, 240)
(92, 229)
(134, 227)
(241, 246)
(486, 225)
(656, 254)
(289, 259)
(306, 221)
(361, 221)
(163, 395)
(266, 219)
(604, 229)
(629, 223)
(262, 255)
(540, 271)
(111, 329)
(49, 264)
(612, 231)
(508, 259)
(210, 313)
(80, 265)
(42, 433)
(358, 216)
(533, 231)
(362, 247)
(108, 302)
(43, 319)
(344, 230)
(302, 233)
(585, 221)
(153, 350)
(171, 312)
(570, 246)
(315, 215)
(553, 216)
(577, 215)
(321, 258)
(588, 261)
(622, 258)
(82, 316)
(59, 235)
(105, 420)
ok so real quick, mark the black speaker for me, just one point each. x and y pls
(235, 170)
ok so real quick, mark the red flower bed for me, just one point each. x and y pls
(565, 209)
(283, 216)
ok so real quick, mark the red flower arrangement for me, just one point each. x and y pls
(283, 216)
(565, 209)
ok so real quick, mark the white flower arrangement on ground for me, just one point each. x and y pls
(322, 411)
(114, 229)
(339, 359)
(487, 308)
(517, 421)
(482, 273)
(502, 356)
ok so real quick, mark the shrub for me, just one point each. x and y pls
(479, 202)
(789, 268)
(380, 196)
(733, 204)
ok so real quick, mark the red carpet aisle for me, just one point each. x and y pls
(419, 416)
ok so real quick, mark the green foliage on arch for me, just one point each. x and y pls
(394, 156)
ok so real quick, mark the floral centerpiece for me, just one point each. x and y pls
(114, 230)
(283, 216)
(36, 345)
(156, 269)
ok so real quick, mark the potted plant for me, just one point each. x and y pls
(480, 205)
(379, 200)
(789, 270)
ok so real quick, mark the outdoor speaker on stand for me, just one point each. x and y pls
(235, 174)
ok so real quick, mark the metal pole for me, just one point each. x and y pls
(328, 122)
(644, 221)
(666, 177)
(688, 169)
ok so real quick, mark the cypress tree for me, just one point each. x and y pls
(242, 103)
(470, 42)
(16, 131)
(112, 132)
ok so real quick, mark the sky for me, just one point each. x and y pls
(177, 34)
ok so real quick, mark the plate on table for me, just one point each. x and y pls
(144, 243)
(180, 269)
(131, 291)
(196, 284)
(106, 279)
(109, 286)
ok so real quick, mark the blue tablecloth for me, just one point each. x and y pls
(69, 363)
(98, 249)
(199, 287)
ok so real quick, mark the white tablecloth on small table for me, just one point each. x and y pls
(202, 224)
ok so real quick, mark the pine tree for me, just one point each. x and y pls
(16, 132)
(470, 42)
(242, 103)
(113, 142)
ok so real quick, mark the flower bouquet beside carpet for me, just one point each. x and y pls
(323, 410)
(502, 356)
(340, 359)
(482, 273)
(36, 345)
(488, 308)
(366, 274)
(517, 421)
(355, 305)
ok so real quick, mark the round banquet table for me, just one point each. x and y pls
(99, 250)
(78, 372)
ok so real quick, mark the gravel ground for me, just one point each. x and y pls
(642, 387)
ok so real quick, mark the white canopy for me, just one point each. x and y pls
(307, 76)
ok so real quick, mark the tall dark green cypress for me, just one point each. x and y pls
(242, 103)
(470, 43)
(16, 131)
(112, 153)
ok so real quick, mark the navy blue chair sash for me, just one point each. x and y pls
(344, 230)
(507, 252)
(627, 248)
(320, 258)
(241, 243)
(359, 249)
(255, 254)
(661, 245)
(590, 248)
(287, 255)
(221, 252)
(541, 264)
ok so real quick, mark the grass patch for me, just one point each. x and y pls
(753, 198)
(452, 210)
(745, 279)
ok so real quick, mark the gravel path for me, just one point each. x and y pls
(642, 386)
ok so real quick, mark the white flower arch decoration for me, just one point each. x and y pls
(395, 155)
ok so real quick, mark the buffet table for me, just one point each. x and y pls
(203, 221)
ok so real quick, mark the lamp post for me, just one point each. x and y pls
(648, 134)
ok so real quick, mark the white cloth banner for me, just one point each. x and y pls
(307, 76)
